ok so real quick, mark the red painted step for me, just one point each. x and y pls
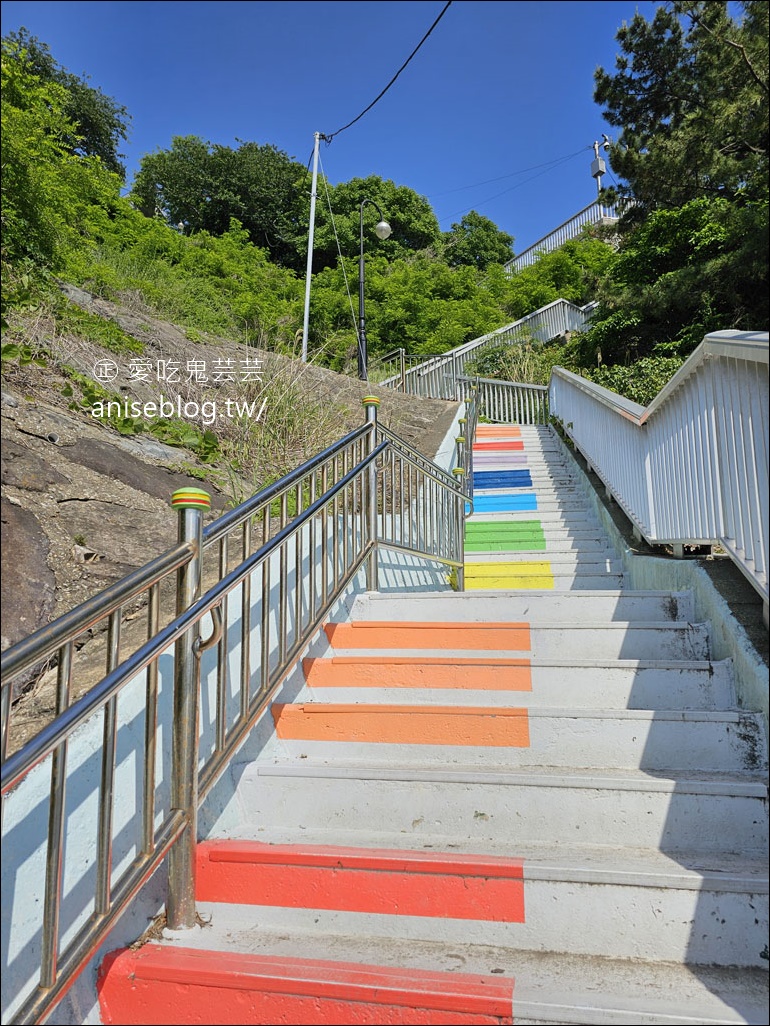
(157, 985)
(410, 883)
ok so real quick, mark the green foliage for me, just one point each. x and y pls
(23, 355)
(96, 123)
(570, 272)
(200, 187)
(71, 318)
(179, 432)
(46, 191)
(690, 96)
(224, 286)
(640, 381)
(526, 361)
(421, 305)
(478, 242)
(414, 225)
(682, 273)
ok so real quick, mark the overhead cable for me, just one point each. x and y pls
(328, 138)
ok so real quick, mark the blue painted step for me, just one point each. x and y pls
(502, 479)
(503, 503)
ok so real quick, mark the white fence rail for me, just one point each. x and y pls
(507, 402)
(691, 468)
(437, 377)
(594, 213)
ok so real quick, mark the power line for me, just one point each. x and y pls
(548, 167)
(523, 171)
(328, 138)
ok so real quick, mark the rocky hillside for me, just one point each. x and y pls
(85, 499)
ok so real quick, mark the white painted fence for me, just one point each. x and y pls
(594, 213)
(437, 377)
(691, 468)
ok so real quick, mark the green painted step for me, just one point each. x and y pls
(503, 529)
(528, 544)
(521, 536)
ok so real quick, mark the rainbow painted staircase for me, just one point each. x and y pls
(531, 802)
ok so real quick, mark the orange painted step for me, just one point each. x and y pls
(393, 634)
(418, 672)
(388, 882)
(158, 985)
(403, 724)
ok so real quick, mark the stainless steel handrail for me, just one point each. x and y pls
(300, 570)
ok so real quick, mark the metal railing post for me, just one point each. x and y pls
(371, 403)
(460, 450)
(180, 905)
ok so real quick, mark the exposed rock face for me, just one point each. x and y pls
(84, 505)
(27, 584)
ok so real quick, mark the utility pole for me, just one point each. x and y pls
(309, 274)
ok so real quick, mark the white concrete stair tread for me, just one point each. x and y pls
(535, 606)
(251, 929)
(554, 542)
(561, 560)
(618, 684)
(606, 640)
(673, 811)
(702, 782)
(562, 582)
(576, 516)
(674, 741)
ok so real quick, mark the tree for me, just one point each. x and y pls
(570, 272)
(477, 242)
(202, 187)
(419, 304)
(410, 216)
(682, 273)
(690, 95)
(46, 190)
(96, 123)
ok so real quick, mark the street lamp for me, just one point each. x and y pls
(382, 231)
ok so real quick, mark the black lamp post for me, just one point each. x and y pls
(382, 231)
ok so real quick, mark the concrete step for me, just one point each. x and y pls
(561, 561)
(505, 900)
(694, 812)
(550, 542)
(613, 640)
(586, 684)
(162, 984)
(541, 578)
(495, 510)
(547, 987)
(522, 736)
(535, 607)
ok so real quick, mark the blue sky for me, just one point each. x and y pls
(495, 112)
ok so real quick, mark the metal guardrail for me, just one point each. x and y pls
(692, 467)
(436, 377)
(272, 568)
(507, 402)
